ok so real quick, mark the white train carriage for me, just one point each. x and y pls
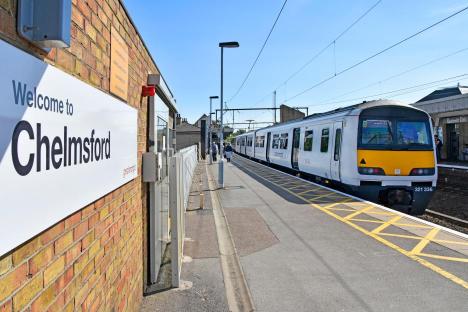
(379, 150)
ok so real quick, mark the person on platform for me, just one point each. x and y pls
(439, 145)
(214, 151)
(228, 151)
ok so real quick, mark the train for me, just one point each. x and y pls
(382, 151)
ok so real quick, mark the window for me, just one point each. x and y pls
(262, 141)
(308, 140)
(412, 133)
(336, 155)
(395, 134)
(284, 141)
(376, 132)
(324, 140)
(275, 142)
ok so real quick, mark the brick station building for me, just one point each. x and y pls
(95, 258)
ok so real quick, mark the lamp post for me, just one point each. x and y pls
(209, 128)
(222, 45)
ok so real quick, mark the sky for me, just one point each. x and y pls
(183, 38)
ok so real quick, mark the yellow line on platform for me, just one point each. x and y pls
(425, 241)
(386, 224)
(367, 220)
(465, 260)
(413, 225)
(352, 215)
(400, 235)
(410, 255)
(443, 241)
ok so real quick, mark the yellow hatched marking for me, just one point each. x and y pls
(294, 187)
(352, 215)
(341, 209)
(410, 255)
(381, 213)
(304, 192)
(465, 260)
(320, 196)
(449, 242)
(367, 220)
(425, 241)
(386, 224)
(413, 225)
(401, 235)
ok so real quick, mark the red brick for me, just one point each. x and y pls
(72, 253)
(64, 280)
(44, 300)
(26, 250)
(83, 7)
(41, 260)
(52, 233)
(7, 306)
(13, 280)
(80, 230)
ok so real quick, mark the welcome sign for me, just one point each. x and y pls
(63, 144)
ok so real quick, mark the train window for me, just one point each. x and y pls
(308, 140)
(324, 140)
(376, 132)
(336, 155)
(275, 142)
(284, 141)
(260, 141)
(412, 133)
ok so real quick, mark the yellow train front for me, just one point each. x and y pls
(395, 157)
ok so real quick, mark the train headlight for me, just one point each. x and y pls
(371, 171)
(422, 171)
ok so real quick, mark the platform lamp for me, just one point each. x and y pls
(209, 128)
(222, 45)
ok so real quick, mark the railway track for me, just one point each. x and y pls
(451, 222)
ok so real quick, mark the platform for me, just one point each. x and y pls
(304, 247)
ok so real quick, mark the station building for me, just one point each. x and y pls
(448, 108)
(77, 237)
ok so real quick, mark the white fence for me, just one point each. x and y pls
(189, 161)
(181, 169)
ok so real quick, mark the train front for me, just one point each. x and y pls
(395, 157)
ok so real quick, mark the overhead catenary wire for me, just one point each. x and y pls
(259, 53)
(376, 54)
(332, 43)
(418, 86)
(396, 75)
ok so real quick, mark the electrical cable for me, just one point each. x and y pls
(377, 54)
(259, 53)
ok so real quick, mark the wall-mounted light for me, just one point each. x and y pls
(46, 23)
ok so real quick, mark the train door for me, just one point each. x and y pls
(336, 155)
(267, 153)
(295, 148)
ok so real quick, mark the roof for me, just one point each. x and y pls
(186, 127)
(347, 110)
(445, 92)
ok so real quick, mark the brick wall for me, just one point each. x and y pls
(93, 259)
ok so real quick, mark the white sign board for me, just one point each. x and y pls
(63, 144)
